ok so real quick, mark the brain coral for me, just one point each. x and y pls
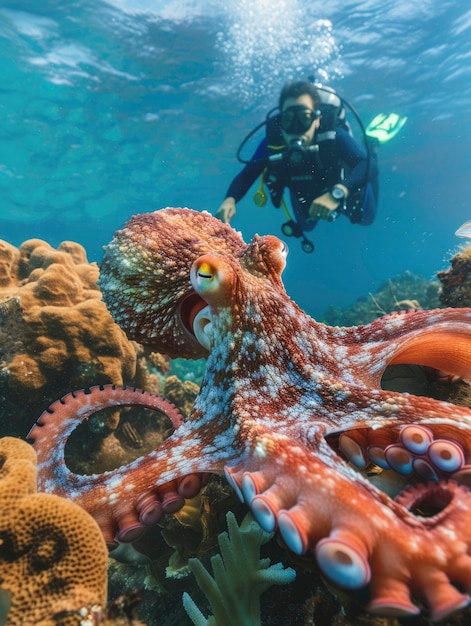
(55, 332)
(53, 559)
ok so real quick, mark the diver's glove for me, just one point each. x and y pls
(324, 207)
(227, 210)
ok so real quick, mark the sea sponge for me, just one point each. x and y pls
(55, 332)
(53, 559)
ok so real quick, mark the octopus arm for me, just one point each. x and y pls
(439, 339)
(412, 435)
(129, 498)
(359, 536)
(447, 350)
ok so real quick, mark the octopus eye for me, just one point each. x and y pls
(209, 277)
(205, 271)
(284, 248)
(206, 276)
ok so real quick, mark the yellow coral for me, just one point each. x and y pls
(53, 559)
(56, 333)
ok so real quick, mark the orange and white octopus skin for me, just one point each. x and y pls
(290, 410)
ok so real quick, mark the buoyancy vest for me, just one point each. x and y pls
(308, 172)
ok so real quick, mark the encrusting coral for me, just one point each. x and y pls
(53, 559)
(456, 280)
(240, 577)
(55, 332)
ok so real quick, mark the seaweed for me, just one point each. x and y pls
(240, 576)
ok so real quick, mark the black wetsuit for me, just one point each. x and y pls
(305, 185)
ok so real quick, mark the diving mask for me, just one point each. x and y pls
(298, 119)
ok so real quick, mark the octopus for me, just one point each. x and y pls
(290, 410)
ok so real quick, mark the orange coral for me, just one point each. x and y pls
(53, 559)
(181, 393)
(55, 332)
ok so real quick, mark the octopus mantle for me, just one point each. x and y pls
(291, 410)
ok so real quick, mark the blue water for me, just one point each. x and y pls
(113, 108)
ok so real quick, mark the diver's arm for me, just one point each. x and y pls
(323, 207)
(361, 171)
(244, 180)
(242, 183)
(227, 210)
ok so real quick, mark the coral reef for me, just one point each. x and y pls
(240, 576)
(456, 280)
(181, 393)
(403, 292)
(55, 332)
(53, 559)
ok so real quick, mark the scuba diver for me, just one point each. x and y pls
(309, 148)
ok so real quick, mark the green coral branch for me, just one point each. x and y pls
(239, 577)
